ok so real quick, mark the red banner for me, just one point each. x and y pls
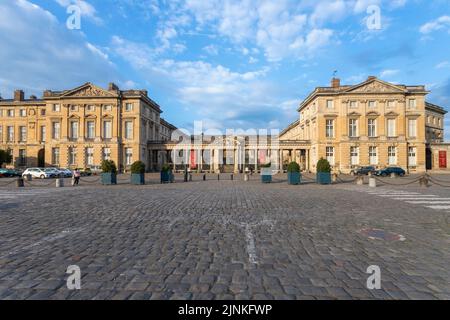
(443, 159)
(193, 160)
(262, 157)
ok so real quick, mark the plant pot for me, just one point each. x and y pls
(293, 178)
(166, 176)
(323, 177)
(109, 179)
(266, 175)
(138, 178)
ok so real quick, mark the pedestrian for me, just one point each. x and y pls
(76, 176)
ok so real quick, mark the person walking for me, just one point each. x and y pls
(76, 176)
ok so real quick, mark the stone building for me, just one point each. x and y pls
(371, 123)
(79, 128)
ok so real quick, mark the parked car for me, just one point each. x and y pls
(38, 173)
(85, 172)
(387, 171)
(8, 173)
(54, 173)
(65, 172)
(363, 170)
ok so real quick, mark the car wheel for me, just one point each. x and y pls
(402, 174)
(384, 174)
(42, 176)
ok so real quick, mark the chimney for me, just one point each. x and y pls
(335, 83)
(19, 95)
(371, 78)
(112, 87)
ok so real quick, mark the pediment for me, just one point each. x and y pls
(375, 86)
(391, 114)
(88, 90)
(372, 114)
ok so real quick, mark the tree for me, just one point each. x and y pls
(5, 157)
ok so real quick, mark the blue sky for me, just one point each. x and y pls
(231, 64)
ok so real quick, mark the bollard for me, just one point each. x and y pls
(190, 177)
(204, 177)
(360, 180)
(334, 177)
(372, 182)
(218, 176)
(59, 183)
(246, 177)
(232, 177)
(29, 177)
(393, 175)
(424, 182)
(20, 183)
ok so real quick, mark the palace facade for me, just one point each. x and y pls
(79, 128)
(371, 123)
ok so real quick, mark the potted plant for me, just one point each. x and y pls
(323, 172)
(293, 173)
(166, 174)
(266, 173)
(109, 172)
(138, 173)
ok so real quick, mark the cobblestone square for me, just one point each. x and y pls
(225, 240)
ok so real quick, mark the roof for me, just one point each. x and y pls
(291, 126)
(350, 89)
(435, 108)
(167, 124)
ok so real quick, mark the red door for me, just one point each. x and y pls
(443, 159)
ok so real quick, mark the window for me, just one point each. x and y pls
(1, 113)
(74, 129)
(330, 128)
(42, 112)
(90, 129)
(23, 112)
(90, 108)
(330, 155)
(90, 156)
(392, 155)
(412, 103)
(107, 129)
(439, 122)
(106, 154)
(128, 130)
(1, 133)
(10, 113)
(72, 156)
(412, 125)
(373, 155)
(22, 157)
(128, 156)
(10, 137)
(353, 128)
(391, 127)
(391, 104)
(128, 107)
(56, 130)
(354, 156)
(107, 107)
(56, 108)
(55, 156)
(353, 104)
(372, 128)
(43, 134)
(330, 104)
(23, 134)
(73, 108)
(372, 104)
(412, 159)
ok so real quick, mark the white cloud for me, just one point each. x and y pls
(87, 9)
(48, 57)
(443, 64)
(212, 50)
(388, 73)
(438, 24)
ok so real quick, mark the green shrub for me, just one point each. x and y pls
(267, 165)
(108, 166)
(166, 168)
(138, 167)
(293, 167)
(323, 166)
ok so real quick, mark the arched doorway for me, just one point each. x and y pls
(41, 158)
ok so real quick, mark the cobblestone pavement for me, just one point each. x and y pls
(224, 240)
